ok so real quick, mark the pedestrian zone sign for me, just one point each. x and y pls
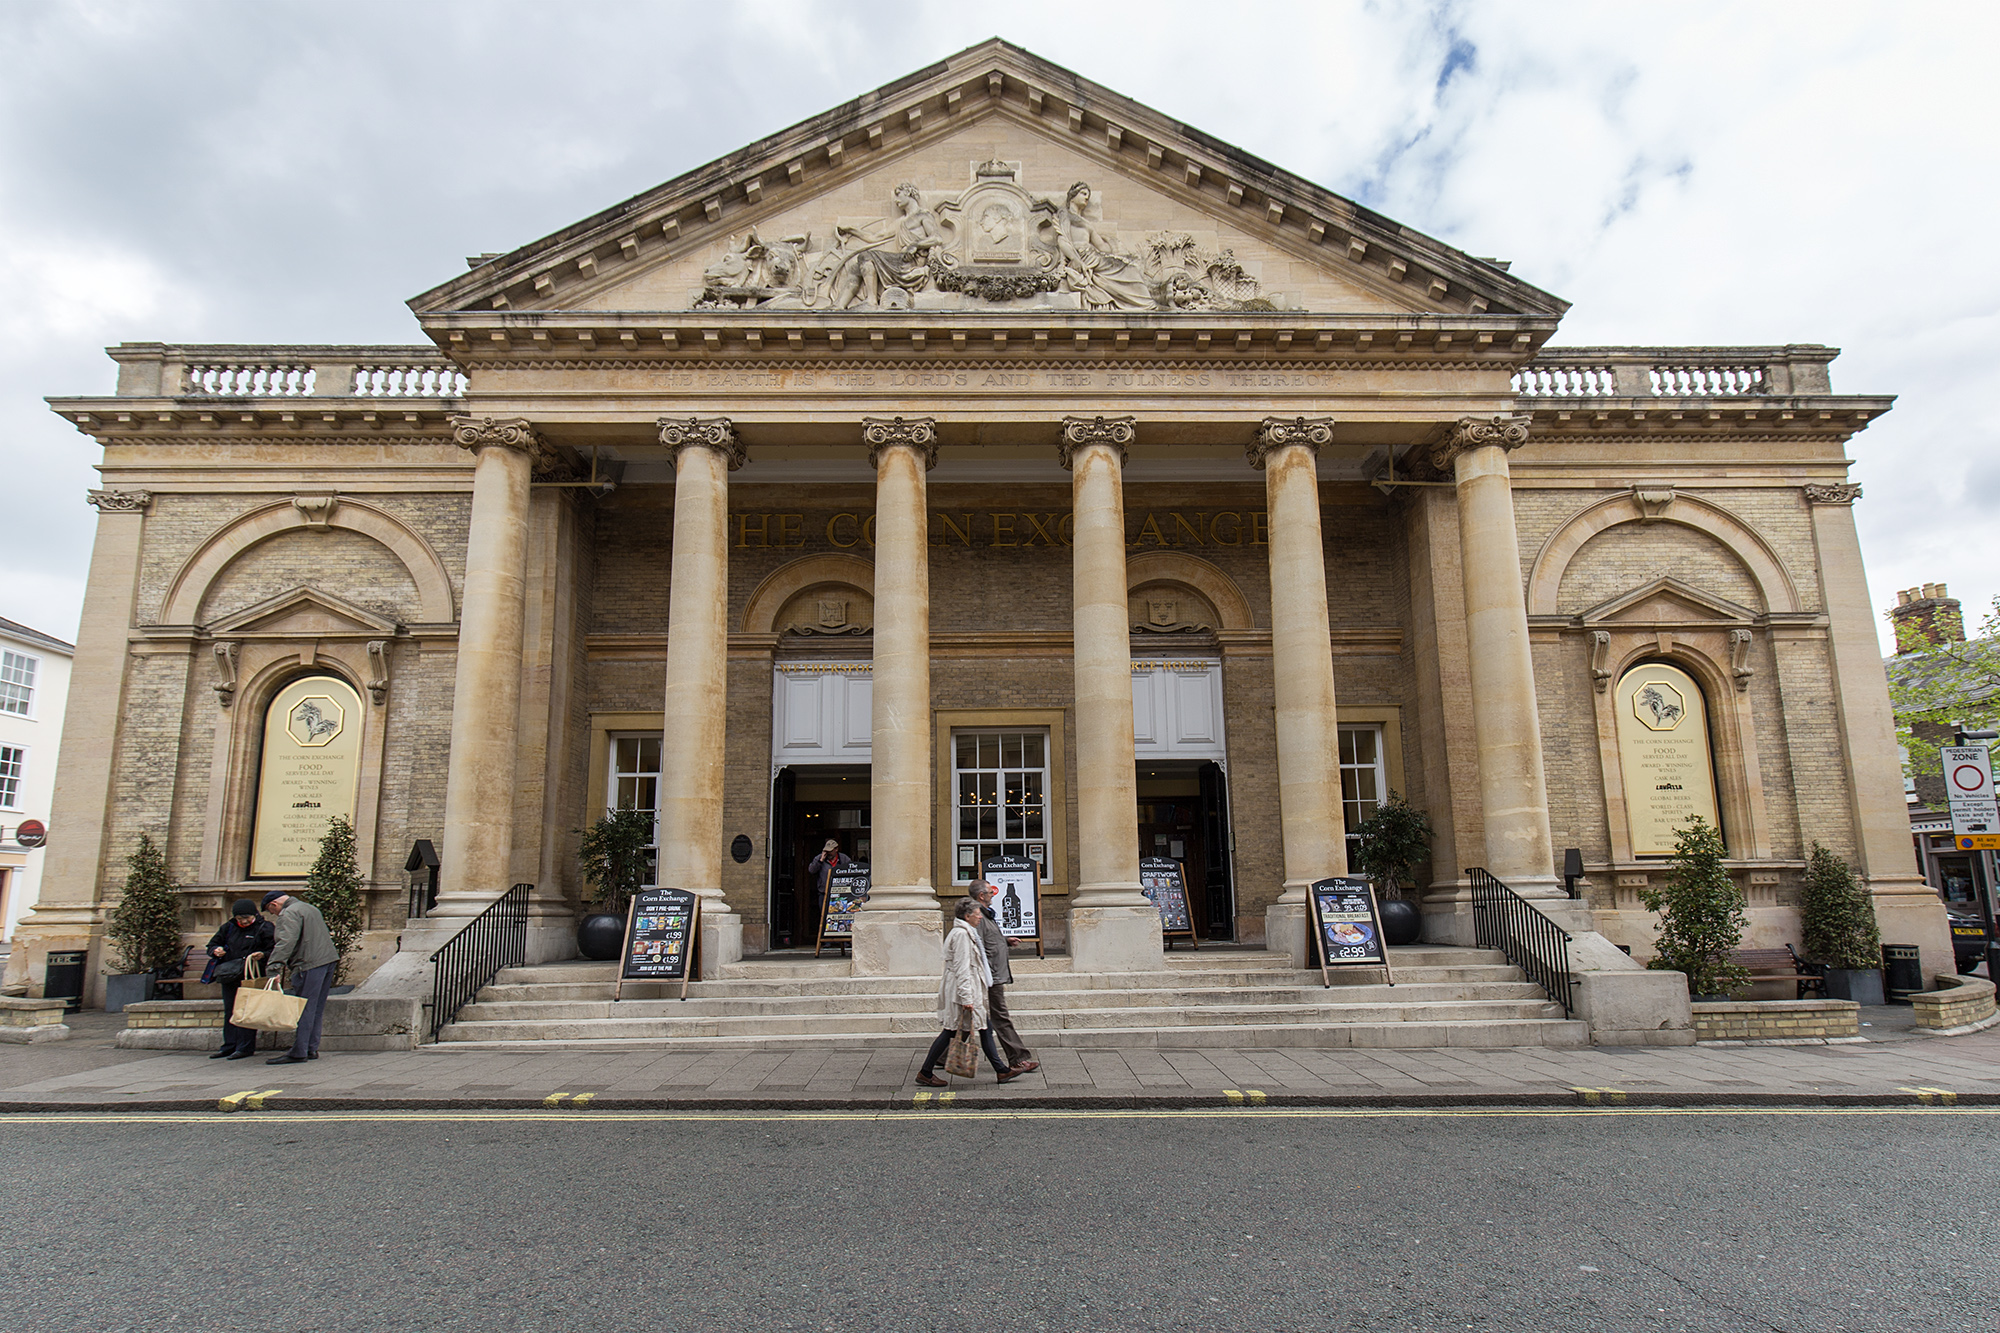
(1968, 782)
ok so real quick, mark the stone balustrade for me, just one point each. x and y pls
(159, 370)
(1676, 372)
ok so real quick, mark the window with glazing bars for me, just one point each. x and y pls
(1001, 779)
(634, 784)
(17, 682)
(12, 760)
(1364, 783)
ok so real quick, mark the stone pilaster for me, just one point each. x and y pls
(1512, 791)
(691, 748)
(1112, 926)
(1906, 907)
(899, 932)
(1308, 733)
(486, 695)
(69, 913)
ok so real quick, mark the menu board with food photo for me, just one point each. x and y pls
(1346, 926)
(659, 938)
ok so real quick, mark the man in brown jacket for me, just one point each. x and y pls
(1019, 1058)
(306, 947)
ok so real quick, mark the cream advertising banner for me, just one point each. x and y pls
(310, 771)
(1663, 750)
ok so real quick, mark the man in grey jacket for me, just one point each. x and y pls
(305, 946)
(1019, 1058)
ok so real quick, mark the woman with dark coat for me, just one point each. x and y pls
(244, 936)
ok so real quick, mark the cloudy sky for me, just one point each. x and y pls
(1724, 173)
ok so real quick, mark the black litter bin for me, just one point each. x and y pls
(62, 979)
(1902, 972)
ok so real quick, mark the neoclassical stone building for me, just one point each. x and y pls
(989, 466)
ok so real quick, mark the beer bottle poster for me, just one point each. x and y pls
(1347, 927)
(1160, 879)
(843, 899)
(659, 937)
(1016, 895)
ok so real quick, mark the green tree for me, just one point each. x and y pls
(1839, 918)
(613, 853)
(1938, 687)
(333, 885)
(1392, 843)
(1701, 913)
(146, 924)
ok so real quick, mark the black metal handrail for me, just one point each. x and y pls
(1504, 920)
(496, 938)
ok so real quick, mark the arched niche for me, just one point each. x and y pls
(1774, 584)
(784, 587)
(182, 603)
(1175, 569)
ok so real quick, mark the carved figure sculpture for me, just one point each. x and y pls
(1104, 279)
(883, 259)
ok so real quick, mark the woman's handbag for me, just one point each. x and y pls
(962, 1060)
(265, 1008)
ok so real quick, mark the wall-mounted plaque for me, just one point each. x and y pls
(1017, 897)
(1663, 753)
(307, 773)
(1162, 880)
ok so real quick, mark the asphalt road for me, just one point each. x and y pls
(955, 1220)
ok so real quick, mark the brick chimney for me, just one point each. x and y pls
(1925, 617)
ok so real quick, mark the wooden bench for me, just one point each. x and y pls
(175, 977)
(1778, 965)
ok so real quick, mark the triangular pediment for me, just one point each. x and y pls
(303, 612)
(1666, 600)
(820, 217)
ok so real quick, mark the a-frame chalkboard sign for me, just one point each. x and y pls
(1345, 927)
(1163, 881)
(1017, 897)
(662, 930)
(844, 894)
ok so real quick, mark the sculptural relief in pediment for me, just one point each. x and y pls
(993, 243)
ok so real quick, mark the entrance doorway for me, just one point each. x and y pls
(810, 804)
(1184, 815)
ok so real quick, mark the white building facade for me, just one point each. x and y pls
(34, 684)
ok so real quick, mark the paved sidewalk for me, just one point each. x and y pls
(1895, 1066)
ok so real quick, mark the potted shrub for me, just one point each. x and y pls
(145, 928)
(1390, 845)
(613, 856)
(1701, 914)
(1838, 921)
(333, 885)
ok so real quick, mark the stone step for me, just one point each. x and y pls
(1481, 1033)
(596, 1001)
(584, 1021)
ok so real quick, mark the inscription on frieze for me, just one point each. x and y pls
(974, 382)
(1001, 529)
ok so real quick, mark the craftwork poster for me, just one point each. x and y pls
(310, 770)
(843, 899)
(1348, 929)
(1016, 896)
(1160, 879)
(661, 940)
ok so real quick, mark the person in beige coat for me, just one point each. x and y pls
(962, 994)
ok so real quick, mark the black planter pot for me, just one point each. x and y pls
(1402, 923)
(1863, 985)
(600, 935)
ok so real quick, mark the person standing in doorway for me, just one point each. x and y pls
(962, 995)
(243, 937)
(305, 946)
(1020, 1059)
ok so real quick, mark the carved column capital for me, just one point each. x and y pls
(1838, 493)
(119, 502)
(517, 433)
(919, 433)
(1117, 432)
(1277, 432)
(1468, 433)
(717, 433)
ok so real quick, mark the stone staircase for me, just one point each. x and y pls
(1216, 997)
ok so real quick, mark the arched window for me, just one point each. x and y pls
(1664, 754)
(309, 771)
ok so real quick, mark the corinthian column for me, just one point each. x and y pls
(1301, 674)
(691, 744)
(899, 930)
(1112, 926)
(486, 696)
(1512, 793)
